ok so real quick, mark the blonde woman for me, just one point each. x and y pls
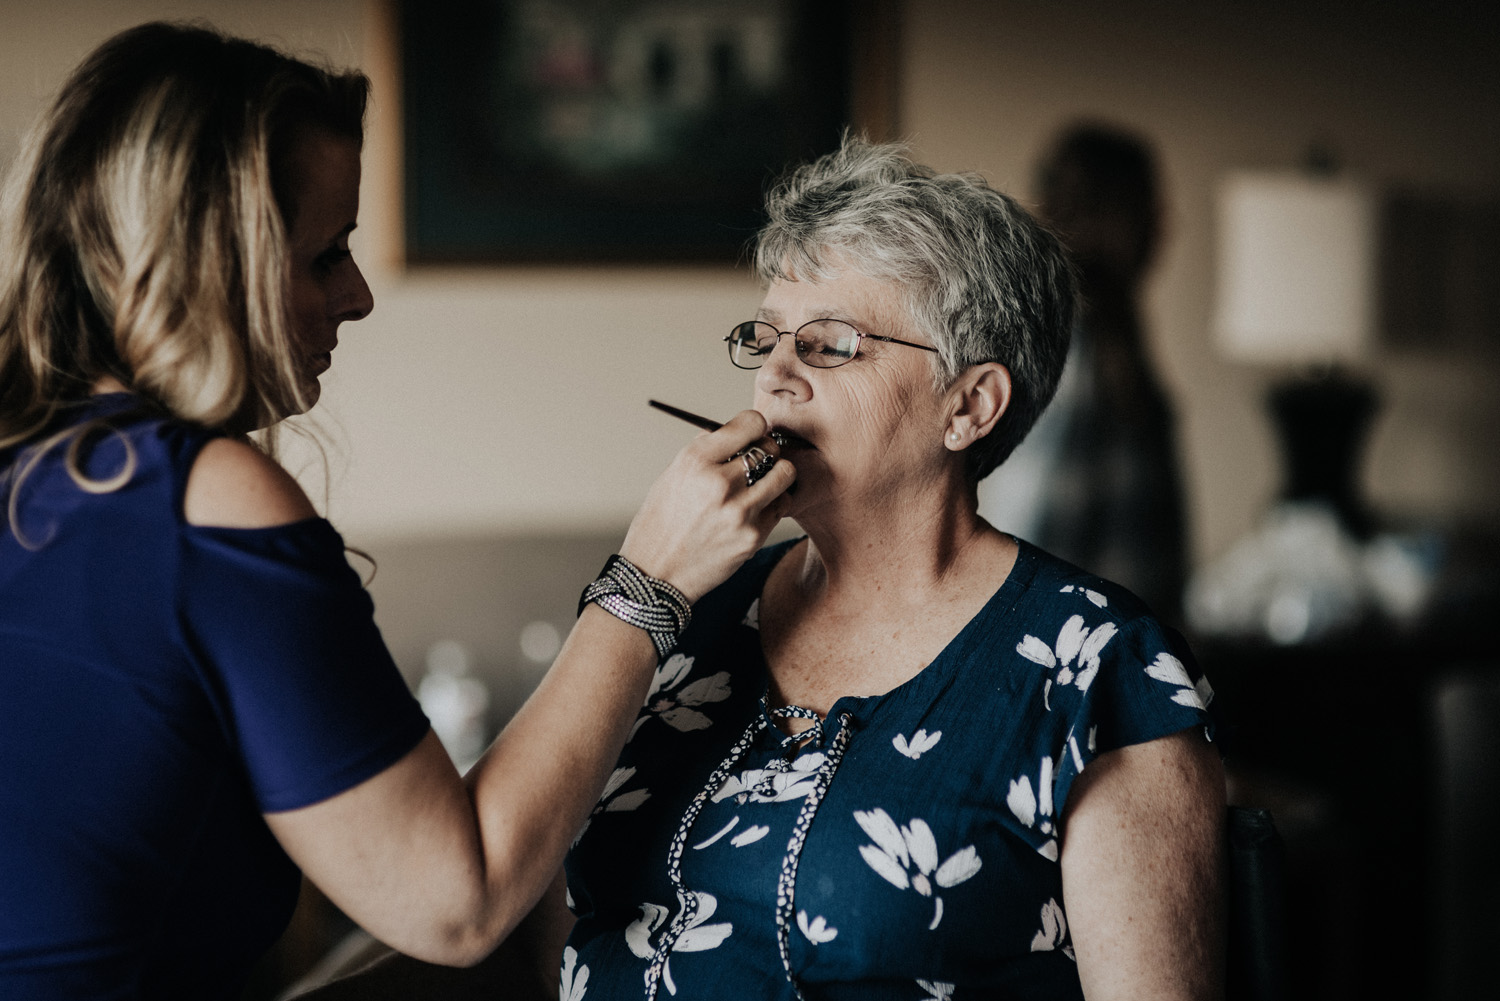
(194, 699)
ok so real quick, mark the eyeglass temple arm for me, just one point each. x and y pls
(897, 340)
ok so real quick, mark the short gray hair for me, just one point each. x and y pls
(982, 278)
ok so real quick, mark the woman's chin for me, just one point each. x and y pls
(805, 495)
(256, 415)
(312, 392)
(308, 394)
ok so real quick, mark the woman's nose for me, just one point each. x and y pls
(782, 366)
(356, 300)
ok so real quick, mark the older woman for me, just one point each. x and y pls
(906, 755)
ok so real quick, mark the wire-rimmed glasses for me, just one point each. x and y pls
(820, 343)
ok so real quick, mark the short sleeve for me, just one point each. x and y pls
(285, 639)
(1146, 686)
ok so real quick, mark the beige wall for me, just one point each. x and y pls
(1401, 101)
(514, 399)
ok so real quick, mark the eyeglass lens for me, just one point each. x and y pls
(821, 343)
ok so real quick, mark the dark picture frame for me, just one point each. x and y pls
(623, 130)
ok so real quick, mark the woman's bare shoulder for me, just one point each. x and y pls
(235, 485)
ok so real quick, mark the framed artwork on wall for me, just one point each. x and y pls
(622, 130)
(1439, 255)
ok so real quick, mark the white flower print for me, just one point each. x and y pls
(1089, 593)
(921, 742)
(1034, 809)
(696, 937)
(816, 930)
(899, 850)
(733, 822)
(638, 933)
(676, 709)
(775, 784)
(936, 990)
(574, 982)
(609, 802)
(1077, 645)
(749, 835)
(752, 615)
(1054, 930)
(1170, 670)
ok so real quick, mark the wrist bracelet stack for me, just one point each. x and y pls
(625, 592)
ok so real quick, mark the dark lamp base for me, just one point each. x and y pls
(1323, 423)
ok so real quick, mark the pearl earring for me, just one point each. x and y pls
(953, 436)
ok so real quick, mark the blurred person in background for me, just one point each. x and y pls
(1098, 481)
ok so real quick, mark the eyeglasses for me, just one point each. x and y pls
(820, 343)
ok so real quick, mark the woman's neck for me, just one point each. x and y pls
(897, 551)
(868, 602)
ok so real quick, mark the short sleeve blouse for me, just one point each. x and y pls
(910, 850)
(161, 686)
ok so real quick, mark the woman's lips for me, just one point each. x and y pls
(785, 439)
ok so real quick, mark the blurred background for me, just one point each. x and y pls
(485, 435)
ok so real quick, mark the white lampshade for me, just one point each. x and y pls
(1296, 269)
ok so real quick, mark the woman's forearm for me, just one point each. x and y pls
(537, 783)
(443, 869)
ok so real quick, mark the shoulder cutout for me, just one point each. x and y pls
(233, 485)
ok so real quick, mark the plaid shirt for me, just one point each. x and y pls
(1097, 481)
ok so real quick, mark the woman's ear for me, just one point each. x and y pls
(979, 399)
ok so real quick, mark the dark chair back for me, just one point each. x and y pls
(1257, 955)
(1463, 860)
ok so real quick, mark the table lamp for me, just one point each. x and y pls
(1296, 292)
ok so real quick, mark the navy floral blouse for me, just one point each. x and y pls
(909, 850)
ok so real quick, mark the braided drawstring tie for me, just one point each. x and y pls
(786, 883)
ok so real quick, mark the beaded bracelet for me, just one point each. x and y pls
(625, 592)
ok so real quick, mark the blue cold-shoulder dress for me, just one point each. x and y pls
(162, 685)
(910, 849)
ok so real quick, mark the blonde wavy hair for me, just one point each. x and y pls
(143, 234)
